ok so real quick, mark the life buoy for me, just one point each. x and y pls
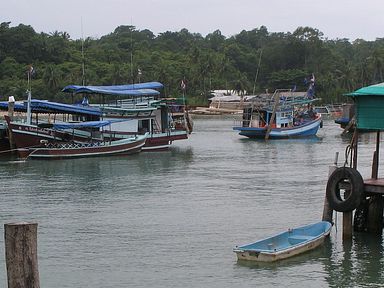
(353, 186)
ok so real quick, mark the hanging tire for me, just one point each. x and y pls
(353, 185)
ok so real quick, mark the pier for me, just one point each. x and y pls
(360, 200)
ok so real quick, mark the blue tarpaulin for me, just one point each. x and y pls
(71, 109)
(87, 124)
(42, 106)
(138, 89)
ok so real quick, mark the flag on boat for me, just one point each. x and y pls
(311, 88)
(183, 85)
(31, 71)
(313, 78)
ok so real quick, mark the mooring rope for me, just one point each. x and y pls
(16, 149)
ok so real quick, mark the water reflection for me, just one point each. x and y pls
(145, 218)
(356, 263)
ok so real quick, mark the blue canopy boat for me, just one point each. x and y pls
(287, 244)
(163, 121)
(59, 149)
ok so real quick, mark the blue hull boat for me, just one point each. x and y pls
(285, 114)
(287, 244)
(307, 129)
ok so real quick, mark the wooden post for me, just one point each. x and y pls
(327, 210)
(375, 214)
(11, 109)
(374, 171)
(21, 255)
(348, 216)
(354, 147)
(375, 164)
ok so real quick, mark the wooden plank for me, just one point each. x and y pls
(276, 100)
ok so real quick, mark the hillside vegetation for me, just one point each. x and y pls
(128, 55)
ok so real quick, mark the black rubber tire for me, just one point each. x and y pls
(353, 200)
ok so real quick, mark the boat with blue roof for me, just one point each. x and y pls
(54, 149)
(165, 119)
(133, 109)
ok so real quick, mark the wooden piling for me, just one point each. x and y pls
(375, 215)
(327, 210)
(348, 216)
(21, 255)
(375, 162)
(11, 109)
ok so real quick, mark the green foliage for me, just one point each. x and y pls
(206, 63)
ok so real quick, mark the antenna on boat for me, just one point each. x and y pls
(257, 72)
(82, 53)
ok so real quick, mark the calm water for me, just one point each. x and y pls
(171, 219)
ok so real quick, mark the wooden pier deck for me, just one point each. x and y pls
(374, 186)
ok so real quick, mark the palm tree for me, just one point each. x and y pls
(50, 78)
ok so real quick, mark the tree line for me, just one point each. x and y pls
(248, 62)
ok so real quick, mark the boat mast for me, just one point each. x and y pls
(82, 53)
(29, 113)
(133, 82)
(257, 72)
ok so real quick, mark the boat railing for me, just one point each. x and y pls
(72, 145)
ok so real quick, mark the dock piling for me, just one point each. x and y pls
(21, 255)
(327, 210)
(11, 109)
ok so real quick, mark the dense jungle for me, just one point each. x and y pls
(249, 62)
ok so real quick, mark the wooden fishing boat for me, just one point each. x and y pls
(285, 114)
(32, 131)
(279, 117)
(287, 244)
(72, 149)
(166, 120)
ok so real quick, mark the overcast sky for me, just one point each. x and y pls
(350, 19)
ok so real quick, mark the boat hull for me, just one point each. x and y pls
(285, 245)
(29, 136)
(305, 130)
(73, 150)
(162, 141)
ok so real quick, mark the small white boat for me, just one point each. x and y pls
(287, 244)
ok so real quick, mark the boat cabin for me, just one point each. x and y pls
(259, 118)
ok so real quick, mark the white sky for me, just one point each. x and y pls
(350, 19)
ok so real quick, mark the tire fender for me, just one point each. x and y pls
(350, 177)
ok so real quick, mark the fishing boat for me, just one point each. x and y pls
(285, 114)
(166, 120)
(287, 244)
(72, 149)
(35, 124)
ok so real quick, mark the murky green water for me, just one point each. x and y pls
(171, 219)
